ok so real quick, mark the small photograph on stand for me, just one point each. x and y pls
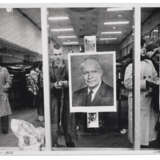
(90, 43)
(92, 120)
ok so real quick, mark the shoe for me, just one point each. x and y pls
(70, 144)
(143, 146)
(59, 145)
(123, 131)
(5, 131)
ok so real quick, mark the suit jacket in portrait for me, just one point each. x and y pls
(103, 97)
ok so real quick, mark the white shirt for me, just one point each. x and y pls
(94, 90)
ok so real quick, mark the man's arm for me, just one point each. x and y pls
(128, 77)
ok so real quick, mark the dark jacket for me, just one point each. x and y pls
(103, 97)
(60, 103)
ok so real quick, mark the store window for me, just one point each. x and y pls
(150, 34)
(85, 51)
(21, 78)
(90, 37)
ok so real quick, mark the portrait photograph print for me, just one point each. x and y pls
(92, 78)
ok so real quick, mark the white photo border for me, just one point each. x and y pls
(95, 108)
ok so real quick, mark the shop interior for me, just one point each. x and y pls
(114, 31)
(21, 50)
(20, 53)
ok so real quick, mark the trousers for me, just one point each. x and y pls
(5, 124)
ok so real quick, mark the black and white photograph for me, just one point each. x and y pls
(90, 43)
(92, 82)
(21, 79)
(149, 79)
(79, 79)
(78, 118)
(92, 120)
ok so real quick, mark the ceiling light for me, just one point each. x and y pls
(58, 18)
(103, 39)
(70, 43)
(62, 29)
(155, 30)
(120, 16)
(63, 37)
(112, 32)
(9, 10)
(119, 9)
(116, 23)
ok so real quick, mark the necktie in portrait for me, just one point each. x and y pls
(89, 98)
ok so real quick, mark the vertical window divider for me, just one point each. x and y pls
(46, 79)
(136, 75)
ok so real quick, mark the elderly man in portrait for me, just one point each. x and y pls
(96, 92)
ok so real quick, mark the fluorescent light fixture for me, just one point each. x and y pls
(155, 30)
(58, 18)
(63, 37)
(116, 23)
(112, 32)
(104, 39)
(62, 29)
(70, 43)
(120, 16)
(117, 9)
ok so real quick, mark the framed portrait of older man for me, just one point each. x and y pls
(92, 78)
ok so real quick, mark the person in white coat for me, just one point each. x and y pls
(148, 117)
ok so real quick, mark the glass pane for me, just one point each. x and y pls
(150, 69)
(21, 82)
(99, 41)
